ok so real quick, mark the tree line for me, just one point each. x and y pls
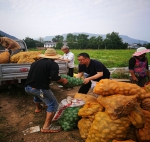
(82, 41)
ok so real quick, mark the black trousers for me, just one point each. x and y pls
(70, 72)
(142, 81)
(85, 88)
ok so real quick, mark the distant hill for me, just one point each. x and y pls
(124, 38)
(7, 35)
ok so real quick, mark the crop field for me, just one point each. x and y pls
(110, 58)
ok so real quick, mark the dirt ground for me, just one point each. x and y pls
(17, 114)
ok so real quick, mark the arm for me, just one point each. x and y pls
(62, 80)
(98, 75)
(66, 60)
(134, 78)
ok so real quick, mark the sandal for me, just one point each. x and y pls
(52, 129)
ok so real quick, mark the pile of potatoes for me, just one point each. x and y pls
(120, 113)
(25, 57)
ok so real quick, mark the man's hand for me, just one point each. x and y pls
(65, 81)
(86, 80)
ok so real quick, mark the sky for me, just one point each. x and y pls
(41, 18)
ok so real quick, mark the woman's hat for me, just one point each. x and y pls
(50, 53)
(140, 51)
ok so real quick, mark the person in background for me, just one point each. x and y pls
(69, 58)
(138, 67)
(94, 70)
(37, 84)
(11, 45)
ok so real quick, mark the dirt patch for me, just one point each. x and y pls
(17, 114)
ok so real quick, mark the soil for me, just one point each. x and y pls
(17, 114)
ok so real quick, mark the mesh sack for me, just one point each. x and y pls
(72, 81)
(90, 109)
(103, 129)
(69, 118)
(84, 126)
(117, 105)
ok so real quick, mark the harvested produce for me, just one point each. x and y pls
(107, 87)
(72, 81)
(69, 118)
(117, 105)
(90, 109)
(137, 117)
(85, 97)
(103, 129)
(84, 126)
(25, 57)
(145, 104)
(4, 57)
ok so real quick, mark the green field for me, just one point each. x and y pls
(110, 58)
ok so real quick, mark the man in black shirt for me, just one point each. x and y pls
(94, 69)
(37, 84)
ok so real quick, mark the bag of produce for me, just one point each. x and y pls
(72, 81)
(85, 97)
(103, 129)
(107, 87)
(143, 134)
(137, 117)
(117, 105)
(145, 104)
(90, 109)
(65, 103)
(69, 118)
(4, 57)
(84, 126)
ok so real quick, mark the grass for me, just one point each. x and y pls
(110, 58)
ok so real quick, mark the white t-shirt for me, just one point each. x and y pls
(69, 56)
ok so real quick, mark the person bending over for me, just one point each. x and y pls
(37, 84)
(94, 70)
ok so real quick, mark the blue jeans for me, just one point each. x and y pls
(46, 96)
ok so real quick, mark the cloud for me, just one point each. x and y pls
(49, 17)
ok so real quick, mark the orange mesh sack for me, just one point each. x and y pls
(25, 57)
(4, 57)
(84, 126)
(90, 108)
(107, 87)
(85, 97)
(147, 88)
(145, 104)
(143, 135)
(103, 129)
(137, 117)
(117, 105)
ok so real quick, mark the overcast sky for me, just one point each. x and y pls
(41, 18)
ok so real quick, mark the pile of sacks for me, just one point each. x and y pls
(120, 113)
(21, 57)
